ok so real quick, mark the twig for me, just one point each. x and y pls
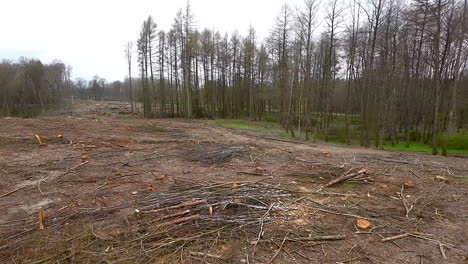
(417, 235)
(181, 220)
(408, 208)
(345, 214)
(261, 227)
(185, 204)
(442, 250)
(11, 192)
(201, 254)
(278, 251)
(317, 238)
(172, 215)
(395, 237)
(252, 173)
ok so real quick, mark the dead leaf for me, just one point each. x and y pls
(363, 224)
(151, 188)
(8, 118)
(119, 174)
(42, 218)
(325, 153)
(84, 157)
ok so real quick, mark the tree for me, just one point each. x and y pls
(128, 56)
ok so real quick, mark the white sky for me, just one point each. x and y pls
(90, 35)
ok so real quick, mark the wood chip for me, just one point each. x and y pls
(441, 179)
(42, 218)
(409, 184)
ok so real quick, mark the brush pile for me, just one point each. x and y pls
(215, 155)
(167, 226)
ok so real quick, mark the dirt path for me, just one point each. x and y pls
(107, 159)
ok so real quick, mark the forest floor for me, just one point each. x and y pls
(118, 188)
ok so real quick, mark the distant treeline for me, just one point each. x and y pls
(29, 87)
(400, 67)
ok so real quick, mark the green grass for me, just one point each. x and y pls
(422, 148)
(456, 143)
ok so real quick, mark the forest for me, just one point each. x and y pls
(356, 73)
(337, 133)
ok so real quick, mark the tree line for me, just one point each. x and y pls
(29, 87)
(383, 70)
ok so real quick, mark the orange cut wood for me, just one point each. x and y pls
(409, 184)
(363, 224)
(441, 179)
(42, 218)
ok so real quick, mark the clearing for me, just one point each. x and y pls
(121, 189)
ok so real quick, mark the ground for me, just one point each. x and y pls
(117, 188)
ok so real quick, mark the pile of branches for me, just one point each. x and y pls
(244, 203)
(185, 222)
(215, 155)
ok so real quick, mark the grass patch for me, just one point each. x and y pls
(421, 148)
(456, 143)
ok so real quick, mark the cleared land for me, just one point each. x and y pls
(121, 189)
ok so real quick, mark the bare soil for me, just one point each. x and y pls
(96, 181)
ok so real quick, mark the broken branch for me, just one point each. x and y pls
(346, 177)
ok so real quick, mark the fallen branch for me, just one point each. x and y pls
(201, 254)
(11, 192)
(346, 177)
(278, 251)
(181, 220)
(172, 215)
(417, 235)
(317, 238)
(252, 173)
(442, 250)
(184, 204)
(406, 204)
(395, 237)
(345, 214)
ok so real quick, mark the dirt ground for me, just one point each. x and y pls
(95, 183)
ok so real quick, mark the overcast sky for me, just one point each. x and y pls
(90, 35)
